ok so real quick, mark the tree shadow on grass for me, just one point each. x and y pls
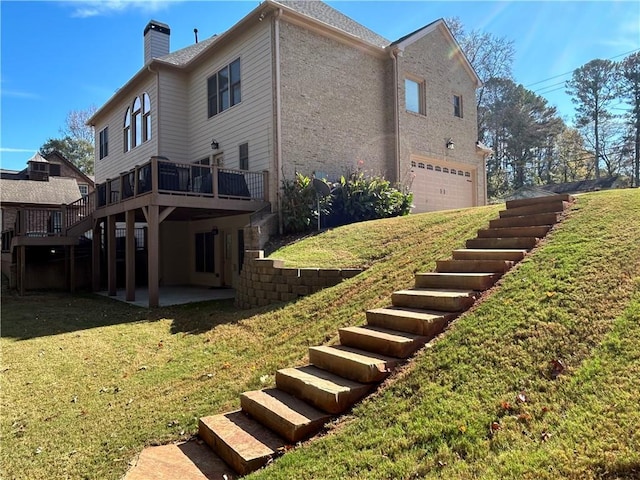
(41, 314)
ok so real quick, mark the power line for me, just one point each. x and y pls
(570, 72)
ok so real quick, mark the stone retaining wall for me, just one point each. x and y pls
(264, 280)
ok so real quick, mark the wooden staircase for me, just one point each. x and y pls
(338, 376)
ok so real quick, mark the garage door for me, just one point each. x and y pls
(438, 186)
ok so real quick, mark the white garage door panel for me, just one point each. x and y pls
(439, 187)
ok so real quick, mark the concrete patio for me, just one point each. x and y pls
(175, 295)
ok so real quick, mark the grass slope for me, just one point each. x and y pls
(488, 400)
(87, 382)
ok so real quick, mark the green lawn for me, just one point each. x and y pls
(87, 382)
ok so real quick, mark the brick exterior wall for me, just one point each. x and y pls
(337, 107)
(429, 59)
(264, 280)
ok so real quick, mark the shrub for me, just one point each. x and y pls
(355, 198)
(358, 198)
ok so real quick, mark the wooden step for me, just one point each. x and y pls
(524, 202)
(327, 391)
(513, 255)
(458, 281)
(352, 363)
(392, 343)
(525, 220)
(434, 299)
(288, 416)
(473, 266)
(513, 242)
(427, 323)
(243, 443)
(538, 231)
(548, 207)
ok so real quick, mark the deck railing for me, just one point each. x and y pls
(79, 210)
(164, 176)
(48, 222)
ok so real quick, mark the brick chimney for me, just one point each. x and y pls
(156, 40)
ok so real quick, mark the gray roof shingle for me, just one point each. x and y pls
(317, 10)
(56, 191)
(329, 15)
(186, 54)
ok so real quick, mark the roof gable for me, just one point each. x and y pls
(441, 26)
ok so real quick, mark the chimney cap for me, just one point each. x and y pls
(157, 26)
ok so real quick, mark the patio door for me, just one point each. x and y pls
(227, 259)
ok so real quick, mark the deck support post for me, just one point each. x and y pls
(130, 255)
(153, 221)
(111, 256)
(96, 250)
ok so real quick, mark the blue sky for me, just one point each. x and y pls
(58, 56)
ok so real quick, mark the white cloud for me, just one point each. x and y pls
(17, 150)
(19, 94)
(93, 8)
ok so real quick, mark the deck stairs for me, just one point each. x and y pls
(305, 398)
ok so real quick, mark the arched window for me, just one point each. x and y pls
(136, 122)
(438, 169)
(127, 130)
(146, 117)
(429, 166)
(445, 170)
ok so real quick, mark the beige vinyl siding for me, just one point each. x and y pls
(249, 121)
(173, 138)
(118, 161)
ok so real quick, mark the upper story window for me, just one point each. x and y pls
(223, 89)
(146, 117)
(84, 189)
(104, 142)
(414, 96)
(127, 130)
(243, 151)
(137, 123)
(457, 106)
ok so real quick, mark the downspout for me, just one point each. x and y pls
(278, 135)
(157, 130)
(396, 112)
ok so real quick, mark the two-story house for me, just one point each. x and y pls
(201, 138)
(37, 204)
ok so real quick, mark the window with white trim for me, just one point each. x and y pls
(137, 122)
(243, 152)
(414, 96)
(104, 142)
(126, 131)
(224, 89)
(457, 106)
(146, 117)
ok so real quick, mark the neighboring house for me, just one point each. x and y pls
(200, 139)
(579, 186)
(36, 205)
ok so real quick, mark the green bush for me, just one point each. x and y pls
(355, 198)
(358, 198)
